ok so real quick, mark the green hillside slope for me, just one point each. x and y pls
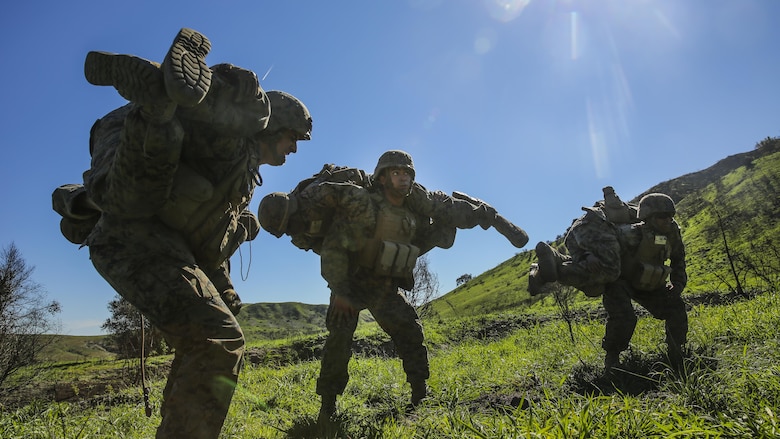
(281, 320)
(741, 189)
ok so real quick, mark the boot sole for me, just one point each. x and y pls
(187, 77)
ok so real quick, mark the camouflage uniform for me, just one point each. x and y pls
(646, 279)
(155, 268)
(381, 295)
(591, 234)
(172, 187)
(593, 247)
(345, 223)
(663, 303)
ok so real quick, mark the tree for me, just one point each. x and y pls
(426, 286)
(124, 328)
(27, 322)
(463, 279)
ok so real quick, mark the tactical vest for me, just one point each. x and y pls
(390, 252)
(207, 215)
(646, 269)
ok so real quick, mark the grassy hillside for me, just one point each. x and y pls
(281, 320)
(77, 348)
(742, 189)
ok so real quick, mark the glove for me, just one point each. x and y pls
(233, 302)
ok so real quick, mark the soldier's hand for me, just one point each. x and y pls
(342, 311)
(233, 302)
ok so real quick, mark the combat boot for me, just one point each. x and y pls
(516, 236)
(419, 392)
(611, 360)
(535, 281)
(549, 261)
(327, 408)
(675, 355)
(183, 79)
(187, 77)
(136, 79)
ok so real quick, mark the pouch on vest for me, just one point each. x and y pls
(405, 260)
(394, 259)
(651, 277)
(385, 258)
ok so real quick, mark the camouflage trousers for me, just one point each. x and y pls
(394, 314)
(179, 298)
(591, 235)
(621, 318)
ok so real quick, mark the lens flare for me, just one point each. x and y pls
(505, 10)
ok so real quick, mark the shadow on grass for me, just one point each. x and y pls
(637, 373)
(341, 425)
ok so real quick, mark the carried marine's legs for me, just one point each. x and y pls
(182, 79)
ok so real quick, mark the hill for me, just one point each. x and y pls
(732, 204)
(77, 348)
(281, 320)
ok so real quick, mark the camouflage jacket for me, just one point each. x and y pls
(340, 218)
(182, 178)
(631, 236)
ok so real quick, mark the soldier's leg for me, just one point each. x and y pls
(671, 309)
(621, 319)
(181, 301)
(336, 353)
(397, 317)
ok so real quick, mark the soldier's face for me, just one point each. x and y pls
(663, 222)
(397, 181)
(286, 143)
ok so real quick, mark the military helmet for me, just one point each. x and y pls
(394, 159)
(274, 212)
(287, 112)
(654, 203)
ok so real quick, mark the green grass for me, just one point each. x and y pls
(527, 382)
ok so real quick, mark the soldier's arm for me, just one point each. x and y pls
(679, 275)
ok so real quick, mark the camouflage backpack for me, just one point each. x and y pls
(605, 216)
(319, 222)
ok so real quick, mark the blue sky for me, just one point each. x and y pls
(531, 105)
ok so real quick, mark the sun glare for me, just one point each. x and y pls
(506, 10)
(599, 36)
